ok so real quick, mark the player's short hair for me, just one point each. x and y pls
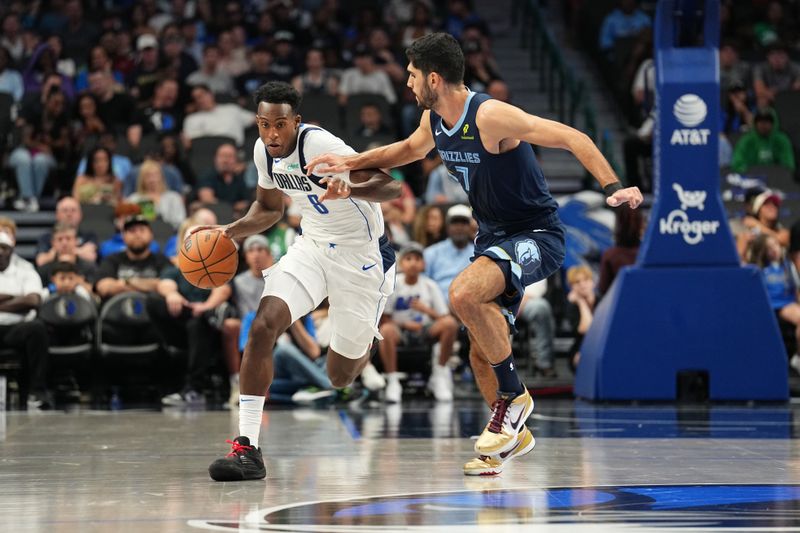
(61, 227)
(439, 53)
(278, 92)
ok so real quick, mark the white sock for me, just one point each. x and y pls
(234, 379)
(393, 376)
(250, 410)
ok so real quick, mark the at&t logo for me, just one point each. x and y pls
(677, 222)
(691, 111)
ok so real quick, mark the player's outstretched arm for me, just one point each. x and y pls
(498, 121)
(373, 185)
(265, 212)
(414, 148)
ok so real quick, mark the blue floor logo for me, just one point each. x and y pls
(666, 507)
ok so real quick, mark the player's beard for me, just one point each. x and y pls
(428, 98)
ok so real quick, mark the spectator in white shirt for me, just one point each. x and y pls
(417, 315)
(365, 78)
(213, 119)
(20, 296)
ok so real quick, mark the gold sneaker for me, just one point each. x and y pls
(508, 419)
(485, 465)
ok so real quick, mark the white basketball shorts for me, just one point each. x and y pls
(356, 280)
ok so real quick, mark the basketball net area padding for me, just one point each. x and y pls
(687, 304)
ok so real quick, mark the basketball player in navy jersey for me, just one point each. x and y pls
(486, 146)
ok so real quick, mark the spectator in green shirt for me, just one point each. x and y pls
(763, 145)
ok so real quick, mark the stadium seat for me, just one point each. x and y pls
(128, 311)
(11, 367)
(71, 318)
(98, 219)
(322, 109)
(162, 231)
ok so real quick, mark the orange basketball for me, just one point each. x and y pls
(208, 259)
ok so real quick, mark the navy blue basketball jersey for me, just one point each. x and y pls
(507, 191)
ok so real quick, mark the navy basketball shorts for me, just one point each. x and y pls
(525, 258)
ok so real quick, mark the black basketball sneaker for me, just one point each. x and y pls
(242, 463)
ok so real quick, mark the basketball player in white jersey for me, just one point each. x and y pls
(342, 255)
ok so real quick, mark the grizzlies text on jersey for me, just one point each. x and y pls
(507, 191)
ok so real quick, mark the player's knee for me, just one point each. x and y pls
(461, 300)
(264, 331)
(231, 326)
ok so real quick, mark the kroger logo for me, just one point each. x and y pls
(691, 111)
(678, 222)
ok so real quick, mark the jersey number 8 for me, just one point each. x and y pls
(319, 206)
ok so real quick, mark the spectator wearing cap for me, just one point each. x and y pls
(416, 314)
(210, 74)
(136, 268)
(446, 259)
(20, 296)
(68, 212)
(184, 317)
(365, 78)
(147, 72)
(213, 119)
(763, 145)
(65, 250)
(762, 218)
(776, 74)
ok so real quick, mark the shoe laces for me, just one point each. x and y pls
(499, 414)
(237, 449)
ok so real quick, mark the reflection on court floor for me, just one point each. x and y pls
(399, 469)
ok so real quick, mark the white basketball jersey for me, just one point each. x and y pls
(350, 221)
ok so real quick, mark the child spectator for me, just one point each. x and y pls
(580, 311)
(416, 314)
(766, 253)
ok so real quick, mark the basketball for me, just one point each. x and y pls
(208, 259)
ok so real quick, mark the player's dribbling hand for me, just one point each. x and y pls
(223, 228)
(327, 164)
(337, 189)
(631, 196)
